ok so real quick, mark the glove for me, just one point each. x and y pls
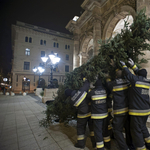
(131, 62)
(84, 79)
(122, 63)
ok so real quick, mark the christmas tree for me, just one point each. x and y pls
(130, 43)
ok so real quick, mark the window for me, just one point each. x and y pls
(44, 42)
(41, 42)
(26, 65)
(30, 40)
(68, 46)
(26, 39)
(67, 57)
(65, 46)
(27, 52)
(66, 68)
(57, 45)
(54, 44)
(42, 53)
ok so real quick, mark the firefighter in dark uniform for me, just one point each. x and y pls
(109, 106)
(99, 113)
(80, 101)
(139, 106)
(119, 88)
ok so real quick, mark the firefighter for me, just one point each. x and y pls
(119, 88)
(139, 105)
(99, 114)
(80, 101)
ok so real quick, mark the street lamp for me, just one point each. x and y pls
(39, 71)
(54, 59)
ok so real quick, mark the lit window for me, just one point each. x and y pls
(30, 40)
(44, 42)
(27, 52)
(67, 57)
(66, 68)
(26, 39)
(42, 53)
(41, 42)
(26, 65)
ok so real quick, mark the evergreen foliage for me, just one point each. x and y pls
(130, 43)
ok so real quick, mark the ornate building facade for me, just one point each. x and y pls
(98, 21)
(29, 43)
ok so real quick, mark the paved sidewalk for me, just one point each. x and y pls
(20, 130)
(19, 127)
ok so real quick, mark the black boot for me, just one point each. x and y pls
(78, 146)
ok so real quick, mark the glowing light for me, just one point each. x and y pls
(75, 18)
(44, 59)
(34, 69)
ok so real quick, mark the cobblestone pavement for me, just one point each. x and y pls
(20, 130)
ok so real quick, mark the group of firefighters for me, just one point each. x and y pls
(131, 108)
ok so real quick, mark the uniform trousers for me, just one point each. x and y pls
(140, 132)
(118, 124)
(81, 128)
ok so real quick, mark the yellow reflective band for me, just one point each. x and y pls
(96, 98)
(81, 100)
(89, 90)
(139, 114)
(133, 67)
(108, 79)
(142, 86)
(108, 140)
(109, 128)
(148, 141)
(124, 66)
(84, 116)
(120, 112)
(92, 134)
(98, 117)
(80, 137)
(100, 146)
(110, 110)
(120, 89)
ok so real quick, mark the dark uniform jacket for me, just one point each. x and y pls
(139, 104)
(119, 88)
(98, 105)
(79, 100)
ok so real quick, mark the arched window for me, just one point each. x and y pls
(57, 45)
(41, 42)
(30, 40)
(26, 39)
(44, 42)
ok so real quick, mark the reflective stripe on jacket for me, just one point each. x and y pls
(139, 104)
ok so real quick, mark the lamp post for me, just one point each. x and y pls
(5, 80)
(39, 70)
(53, 60)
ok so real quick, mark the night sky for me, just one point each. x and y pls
(50, 14)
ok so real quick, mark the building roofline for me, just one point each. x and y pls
(44, 30)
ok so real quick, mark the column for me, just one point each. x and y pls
(96, 35)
